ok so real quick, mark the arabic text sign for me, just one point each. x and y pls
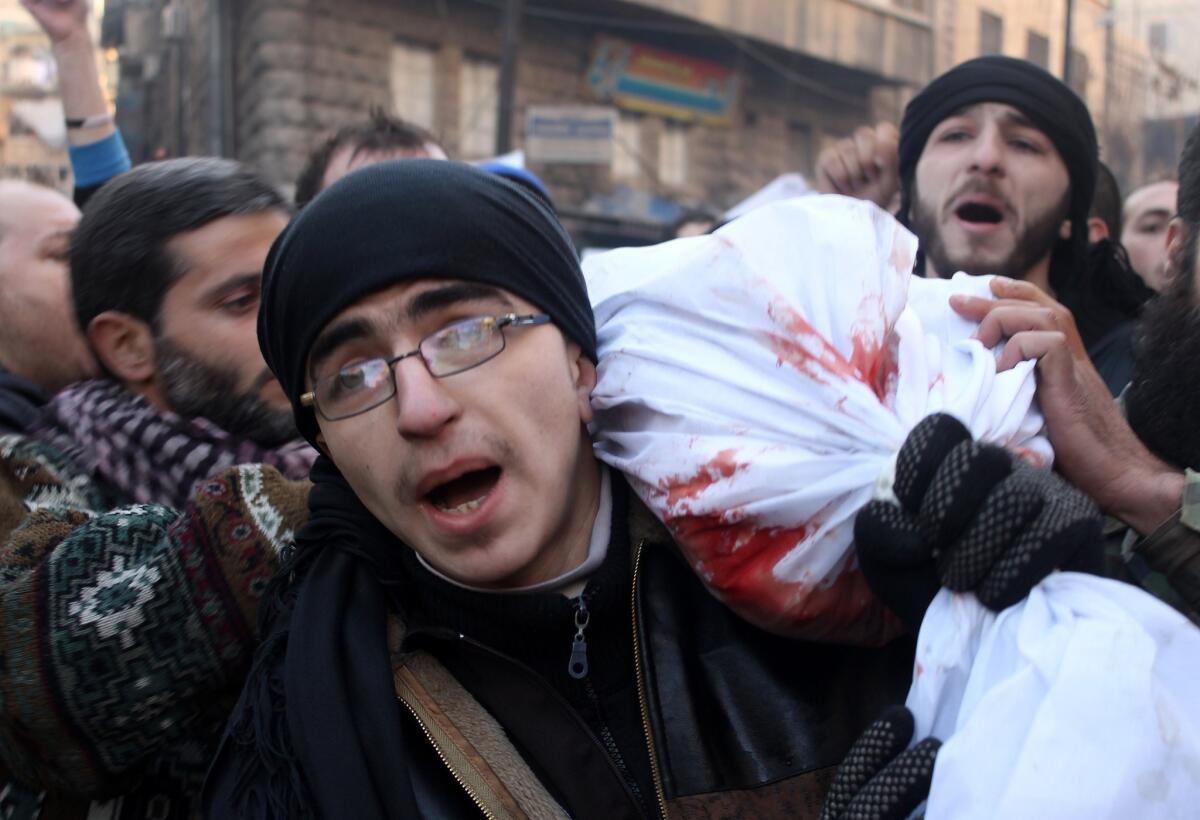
(661, 82)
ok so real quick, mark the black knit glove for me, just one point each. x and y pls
(973, 518)
(880, 779)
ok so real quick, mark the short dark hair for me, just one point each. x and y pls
(119, 257)
(1106, 202)
(379, 133)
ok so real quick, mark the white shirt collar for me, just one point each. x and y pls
(597, 550)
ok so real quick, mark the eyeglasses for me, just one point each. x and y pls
(362, 386)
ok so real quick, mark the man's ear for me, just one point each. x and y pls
(124, 345)
(1097, 229)
(1176, 240)
(1064, 230)
(583, 377)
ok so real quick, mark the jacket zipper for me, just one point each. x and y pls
(577, 666)
(453, 772)
(641, 689)
(611, 744)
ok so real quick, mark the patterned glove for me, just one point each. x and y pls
(974, 518)
(880, 779)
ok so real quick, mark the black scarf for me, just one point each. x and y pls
(317, 731)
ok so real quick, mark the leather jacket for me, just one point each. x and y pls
(738, 722)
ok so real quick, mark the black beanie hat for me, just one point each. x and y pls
(412, 219)
(1051, 106)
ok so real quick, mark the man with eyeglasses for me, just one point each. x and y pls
(481, 618)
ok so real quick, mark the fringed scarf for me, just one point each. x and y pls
(146, 455)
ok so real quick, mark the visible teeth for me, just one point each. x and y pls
(465, 507)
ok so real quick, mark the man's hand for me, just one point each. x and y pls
(881, 779)
(60, 19)
(865, 166)
(1094, 446)
(973, 518)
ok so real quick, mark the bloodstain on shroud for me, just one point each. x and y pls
(736, 559)
(871, 361)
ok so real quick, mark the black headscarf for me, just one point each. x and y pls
(1053, 107)
(412, 219)
(317, 730)
(1100, 296)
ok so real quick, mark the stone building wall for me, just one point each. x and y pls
(304, 67)
(298, 69)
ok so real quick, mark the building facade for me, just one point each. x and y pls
(706, 102)
(1165, 31)
(32, 135)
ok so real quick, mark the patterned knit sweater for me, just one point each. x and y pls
(125, 633)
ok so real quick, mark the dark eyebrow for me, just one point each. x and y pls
(334, 337)
(435, 299)
(1014, 116)
(241, 280)
(1157, 212)
(1018, 118)
(422, 305)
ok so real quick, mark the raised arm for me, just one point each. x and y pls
(97, 151)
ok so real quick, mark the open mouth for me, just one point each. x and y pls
(979, 213)
(466, 493)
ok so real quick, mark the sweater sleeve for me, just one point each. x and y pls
(125, 635)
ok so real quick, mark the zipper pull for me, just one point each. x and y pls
(577, 667)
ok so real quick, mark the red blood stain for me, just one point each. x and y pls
(875, 364)
(806, 350)
(737, 560)
(871, 361)
(871, 353)
(678, 489)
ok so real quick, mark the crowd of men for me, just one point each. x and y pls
(299, 514)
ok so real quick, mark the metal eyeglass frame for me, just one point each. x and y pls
(309, 399)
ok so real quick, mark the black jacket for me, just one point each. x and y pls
(737, 722)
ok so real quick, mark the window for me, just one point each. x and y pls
(991, 33)
(1037, 50)
(627, 152)
(412, 83)
(478, 97)
(673, 154)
